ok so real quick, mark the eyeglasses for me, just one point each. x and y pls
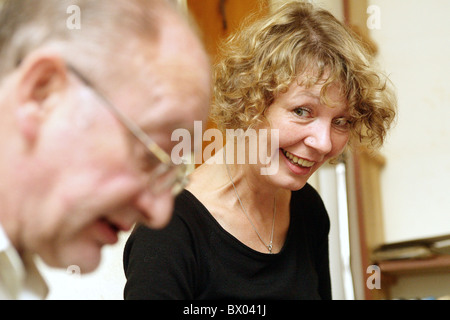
(166, 175)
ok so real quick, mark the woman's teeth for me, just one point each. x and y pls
(298, 161)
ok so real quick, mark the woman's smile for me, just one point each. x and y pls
(296, 165)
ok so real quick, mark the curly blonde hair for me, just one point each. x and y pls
(264, 57)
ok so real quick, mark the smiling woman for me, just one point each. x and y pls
(240, 234)
(256, 66)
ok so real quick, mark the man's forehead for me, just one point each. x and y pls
(178, 99)
(169, 87)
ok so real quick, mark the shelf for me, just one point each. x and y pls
(439, 263)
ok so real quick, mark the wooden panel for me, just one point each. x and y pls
(370, 165)
(439, 263)
(355, 16)
(367, 168)
(218, 18)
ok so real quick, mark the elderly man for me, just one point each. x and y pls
(88, 106)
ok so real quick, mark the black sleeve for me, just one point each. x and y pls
(160, 264)
(319, 221)
(323, 261)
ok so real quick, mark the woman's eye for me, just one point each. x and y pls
(342, 123)
(302, 112)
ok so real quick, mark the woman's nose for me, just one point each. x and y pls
(319, 138)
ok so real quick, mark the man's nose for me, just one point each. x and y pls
(156, 209)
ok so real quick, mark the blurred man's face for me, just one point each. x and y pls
(90, 176)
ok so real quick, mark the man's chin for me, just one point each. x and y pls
(79, 260)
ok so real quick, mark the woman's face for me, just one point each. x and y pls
(310, 132)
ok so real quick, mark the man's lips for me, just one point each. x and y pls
(108, 230)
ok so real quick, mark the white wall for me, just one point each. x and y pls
(330, 182)
(414, 48)
(107, 282)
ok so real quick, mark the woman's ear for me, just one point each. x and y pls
(41, 77)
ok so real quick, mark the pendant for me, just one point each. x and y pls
(270, 248)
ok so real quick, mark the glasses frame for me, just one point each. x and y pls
(180, 179)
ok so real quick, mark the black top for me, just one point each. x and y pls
(195, 258)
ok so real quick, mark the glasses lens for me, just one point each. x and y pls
(166, 177)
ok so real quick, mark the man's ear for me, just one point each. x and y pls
(41, 77)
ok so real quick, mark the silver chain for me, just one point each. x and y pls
(270, 245)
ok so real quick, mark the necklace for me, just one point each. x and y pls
(270, 245)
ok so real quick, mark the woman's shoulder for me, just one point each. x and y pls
(187, 201)
(307, 196)
(183, 229)
(189, 209)
(308, 204)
